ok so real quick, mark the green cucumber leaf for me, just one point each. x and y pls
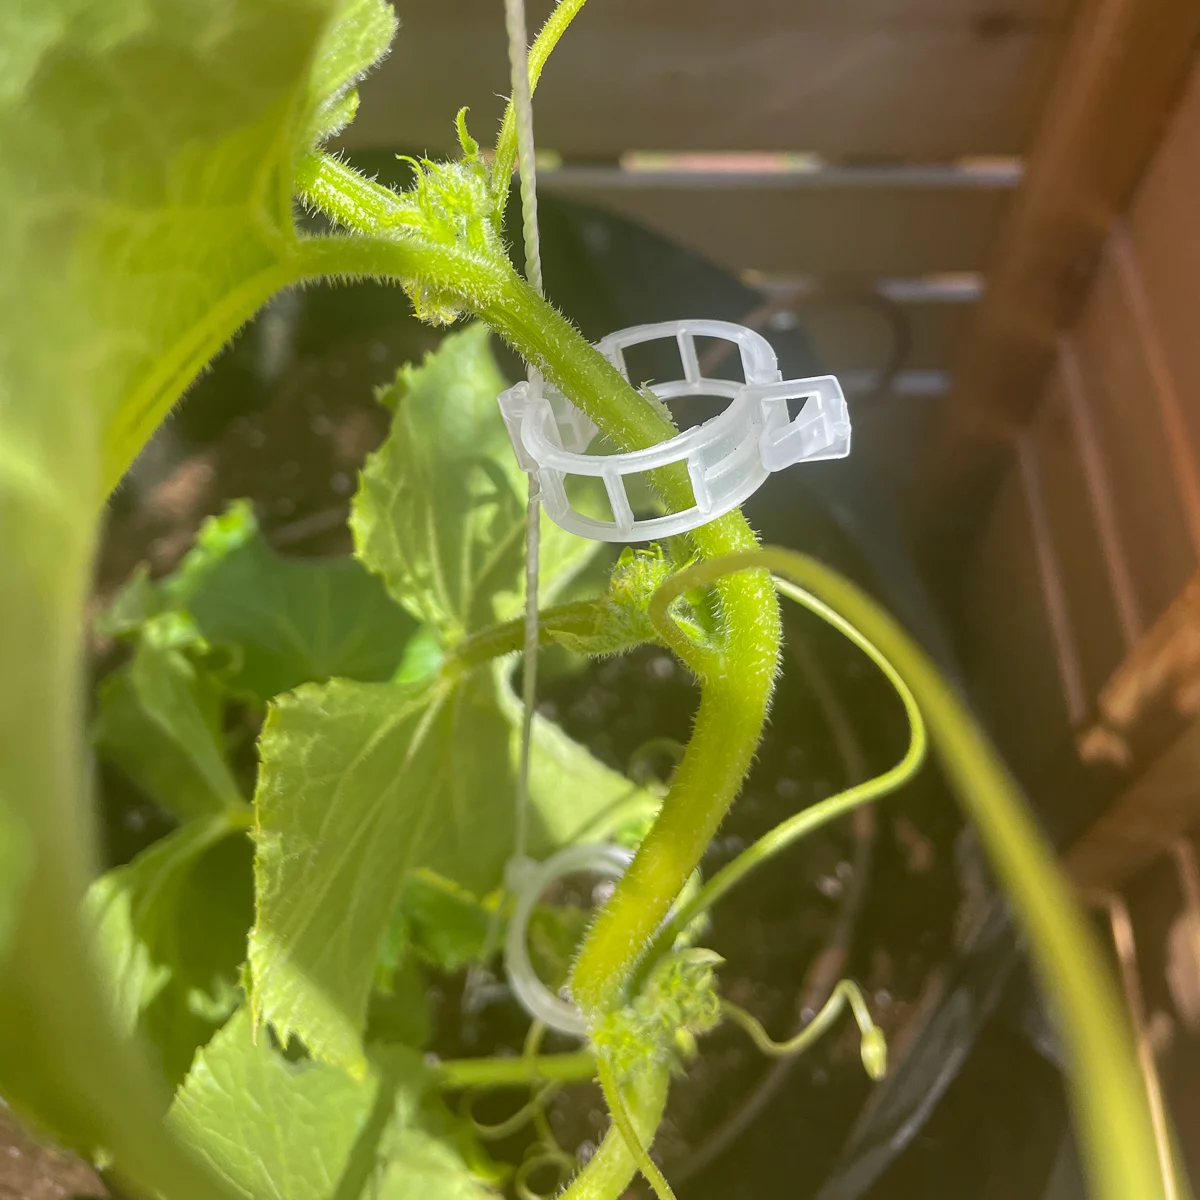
(137, 601)
(133, 909)
(447, 925)
(294, 620)
(362, 783)
(171, 933)
(147, 151)
(308, 1131)
(440, 508)
(170, 929)
(158, 721)
(431, 1161)
(357, 39)
(358, 784)
(285, 621)
(398, 1012)
(205, 949)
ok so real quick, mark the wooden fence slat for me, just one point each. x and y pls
(909, 88)
(1162, 804)
(1124, 69)
(1072, 520)
(1008, 644)
(905, 231)
(1164, 231)
(1120, 391)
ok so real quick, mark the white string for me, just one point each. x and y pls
(518, 61)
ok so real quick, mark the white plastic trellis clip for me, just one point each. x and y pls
(527, 880)
(728, 457)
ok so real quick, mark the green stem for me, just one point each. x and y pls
(735, 690)
(728, 724)
(808, 820)
(1107, 1093)
(586, 619)
(506, 143)
(577, 1067)
(624, 1123)
(611, 1169)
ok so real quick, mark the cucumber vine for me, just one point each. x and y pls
(149, 168)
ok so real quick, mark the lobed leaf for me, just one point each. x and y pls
(355, 40)
(446, 925)
(170, 931)
(205, 949)
(292, 620)
(133, 909)
(308, 1131)
(361, 784)
(159, 721)
(440, 510)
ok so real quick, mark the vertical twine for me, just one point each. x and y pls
(518, 61)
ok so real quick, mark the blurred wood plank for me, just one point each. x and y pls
(1008, 645)
(1156, 684)
(758, 15)
(1164, 232)
(888, 231)
(932, 80)
(1092, 147)
(858, 336)
(1120, 392)
(1077, 540)
(1162, 804)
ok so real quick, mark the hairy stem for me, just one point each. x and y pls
(808, 820)
(584, 619)
(624, 1123)
(611, 1169)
